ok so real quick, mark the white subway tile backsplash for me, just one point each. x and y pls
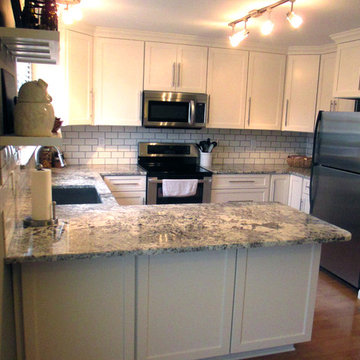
(119, 144)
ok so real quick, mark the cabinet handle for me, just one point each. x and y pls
(143, 200)
(286, 112)
(173, 75)
(178, 73)
(359, 83)
(249, 111)
(331, 105)
(121, 183)
(241, 181)
(235, 201)
(335, 105)
(92, 105)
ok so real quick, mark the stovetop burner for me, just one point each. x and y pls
(171, 160)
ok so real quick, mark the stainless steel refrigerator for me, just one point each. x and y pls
(335, 189)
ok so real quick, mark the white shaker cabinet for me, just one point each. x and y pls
(81, 309)
(227, 78)
(347, 73)
(265, 91)
(79, 77)
(172, 67)
(279, 188)
(300, 93)
(227, 188)
(127, 190)
(184, 305)
(118, 78)
(325, 99)
(264, 321)
(299, 193)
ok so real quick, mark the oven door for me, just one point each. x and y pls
(154, 193)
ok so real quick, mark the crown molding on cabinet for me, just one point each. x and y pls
(346, 36)
(181, 39)
(312, 50)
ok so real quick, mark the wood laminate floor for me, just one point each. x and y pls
(336, 331)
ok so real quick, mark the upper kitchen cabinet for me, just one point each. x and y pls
(265, 91)
(79, 77)
(118, 81)
(347, 73)
(172, 67)
(325, 99)
(227, 78)
(300, 93)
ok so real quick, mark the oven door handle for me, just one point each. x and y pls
(156, 181)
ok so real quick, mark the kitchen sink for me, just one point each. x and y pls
(75, 194)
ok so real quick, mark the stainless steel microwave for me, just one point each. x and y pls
(174, 109)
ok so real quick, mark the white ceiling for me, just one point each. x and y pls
(209, 18)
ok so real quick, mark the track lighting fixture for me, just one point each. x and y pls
(268, 26)
(237, 37)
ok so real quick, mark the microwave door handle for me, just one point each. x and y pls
(191, 115)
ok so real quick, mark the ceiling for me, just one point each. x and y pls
(209, 18)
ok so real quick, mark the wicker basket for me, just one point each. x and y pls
(299, 161)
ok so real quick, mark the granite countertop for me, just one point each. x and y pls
(108, 229)
(259, 169)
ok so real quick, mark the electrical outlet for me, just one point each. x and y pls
(101, 141)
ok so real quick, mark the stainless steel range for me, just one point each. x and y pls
(167, 162)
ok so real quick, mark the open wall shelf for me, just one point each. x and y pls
(31, 45)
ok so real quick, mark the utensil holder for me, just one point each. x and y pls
(205, 159)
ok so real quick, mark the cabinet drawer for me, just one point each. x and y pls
(220, 196)
(125, 183)
(130, 197)
(240, 181)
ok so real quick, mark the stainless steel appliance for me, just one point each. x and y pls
(174, 109)
(173, 161)
(335, 189)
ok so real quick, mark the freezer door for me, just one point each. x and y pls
(335, 198)
(337, 140)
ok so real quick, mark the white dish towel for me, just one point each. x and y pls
(179, 188)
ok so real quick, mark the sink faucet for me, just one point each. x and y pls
(58, 152)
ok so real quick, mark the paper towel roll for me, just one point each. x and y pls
(41, 198)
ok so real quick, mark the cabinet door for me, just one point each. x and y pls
(325, 99)
(295, 191)
(265, 91)
(191, 69)
(160, 66)
(347, 75)
(184, 305)
(79, 77)
(305, 196)
(227, 77)
(300, 93)
(279, 188)
(264, 321)
(81, 309)
(118, 81)
(129, 197)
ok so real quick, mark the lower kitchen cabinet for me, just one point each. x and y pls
(240, 188)
(279, 188)
(299, 193)
(276, 316)
(127, 190)
(81, 309)
(184, 305)
(175, 306)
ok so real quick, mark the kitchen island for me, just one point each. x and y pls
(173, 282)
